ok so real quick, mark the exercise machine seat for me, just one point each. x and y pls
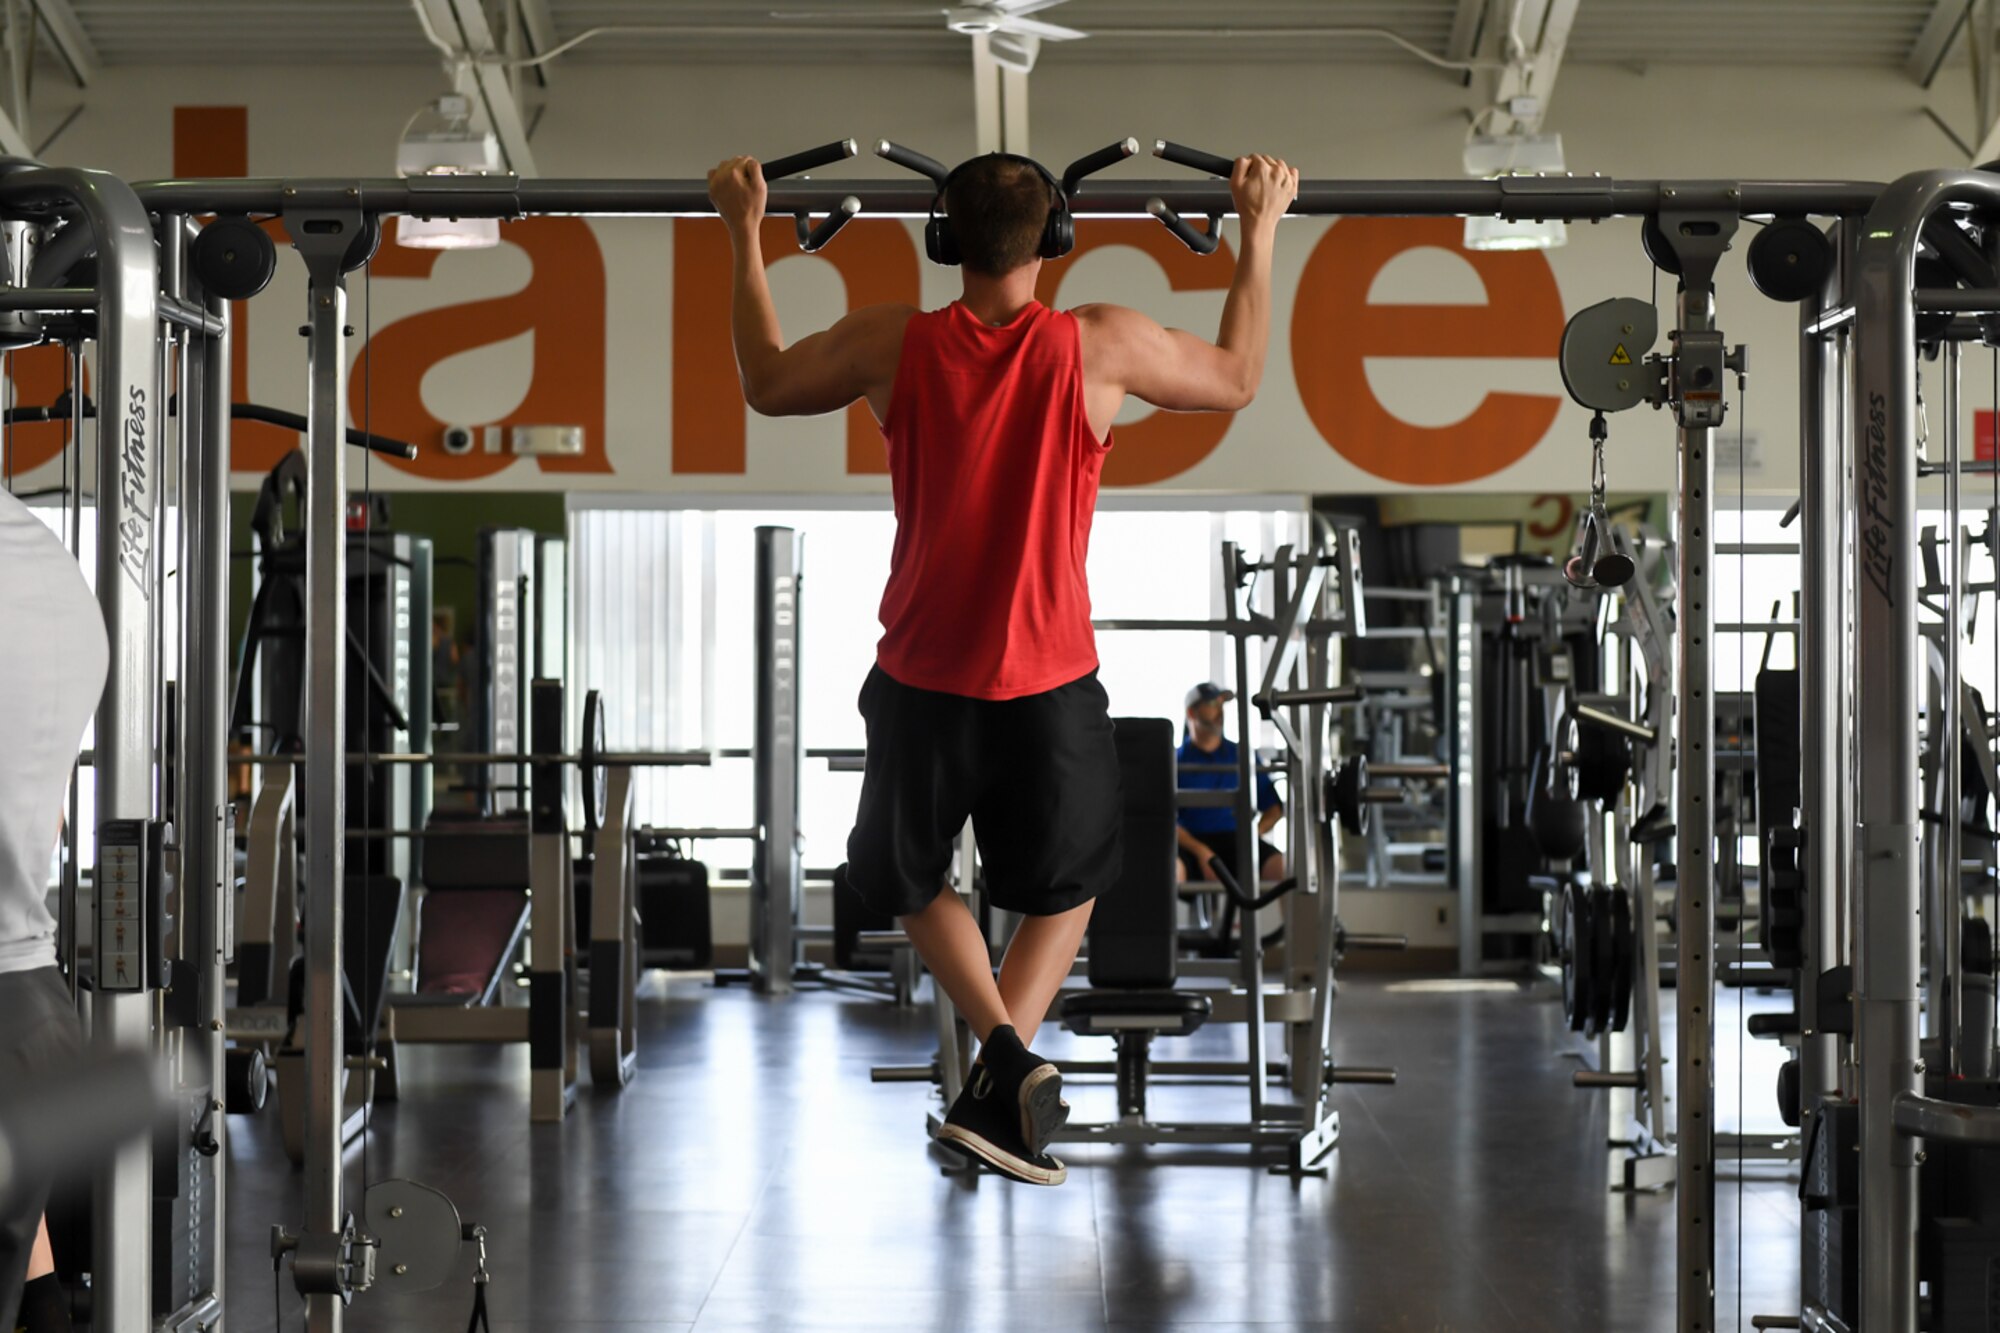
(1134, 936)
(475, 908)
(1107, 1013)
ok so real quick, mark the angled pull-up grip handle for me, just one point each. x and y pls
(779, 167)
(1169, 151)
(909, 159)
(1092, 163)
(811, 238)
(1202, 243)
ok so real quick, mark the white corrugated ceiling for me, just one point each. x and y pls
(1809, 32)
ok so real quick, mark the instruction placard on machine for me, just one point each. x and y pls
(121, 945)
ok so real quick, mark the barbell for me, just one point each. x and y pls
(594, 760)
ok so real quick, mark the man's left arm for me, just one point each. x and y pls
(1270, 808)
(856, 358)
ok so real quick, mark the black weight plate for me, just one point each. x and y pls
(1658, 248)
(1597, 1017)
(595, 780)
(1603, 762)
(1344, 787)
(1576, 955)
(1624, 958)
(245, 1080)
(1789, 259)
(234, 258)
(1788, 1093)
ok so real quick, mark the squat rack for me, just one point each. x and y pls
(332, 221)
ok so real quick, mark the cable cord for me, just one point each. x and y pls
(1746, 694)
(371, 1017)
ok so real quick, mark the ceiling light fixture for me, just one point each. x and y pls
(441, 140)
(1492, 157)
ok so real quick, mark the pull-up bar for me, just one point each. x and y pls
(1565, 198)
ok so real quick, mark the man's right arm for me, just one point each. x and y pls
(1126, 352)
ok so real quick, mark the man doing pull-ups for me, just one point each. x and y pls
(984, 700)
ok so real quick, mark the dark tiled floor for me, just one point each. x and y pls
(753, 1178)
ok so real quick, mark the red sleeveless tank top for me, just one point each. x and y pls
(994, 471)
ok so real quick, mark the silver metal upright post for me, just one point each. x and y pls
(1235, 588)
(1949, 988)
(776, 876)
(1884, 431)
(1694, 1090)
(208, 842)
(1823, 768)
(320, 1264)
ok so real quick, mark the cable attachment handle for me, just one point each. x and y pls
(480, 1278)
(1596, 562)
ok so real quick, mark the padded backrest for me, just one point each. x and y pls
(476, 852)
(1132, 929)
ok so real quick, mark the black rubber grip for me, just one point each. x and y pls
(1092, 163)
(1193, 157)
(909, 159)
(779, 167)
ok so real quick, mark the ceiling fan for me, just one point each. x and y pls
(1013, 38)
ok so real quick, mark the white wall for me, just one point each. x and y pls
(1390, 119)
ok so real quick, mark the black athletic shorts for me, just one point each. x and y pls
(1038, 776)
(1222, 843)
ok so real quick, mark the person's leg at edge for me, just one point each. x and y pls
(1038, 958)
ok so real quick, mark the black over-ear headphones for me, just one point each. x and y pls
(1058, 234)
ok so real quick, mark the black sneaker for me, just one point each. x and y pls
(984, 1124)
(1037, 1086)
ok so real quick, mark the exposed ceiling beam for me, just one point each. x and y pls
(462, 24)
(541, 32)
(1464, 37)
(71, 42)
(1543, 27)
(1941, 29)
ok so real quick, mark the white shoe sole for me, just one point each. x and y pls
(1006, 1163)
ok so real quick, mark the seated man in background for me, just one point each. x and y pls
(1207, 762)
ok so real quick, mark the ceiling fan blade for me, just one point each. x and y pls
(1019, 7)
(923, 13)
(1053, 32)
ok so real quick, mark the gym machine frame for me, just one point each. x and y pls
(1860, 417)
(324, 218)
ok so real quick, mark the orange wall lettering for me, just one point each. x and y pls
(38, 374)
(562, 306)
(1335, 330)
(1161, 444)
(876, 261)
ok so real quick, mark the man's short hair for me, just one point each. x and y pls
(998, 209)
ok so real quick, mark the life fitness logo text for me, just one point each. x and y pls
(135, 529)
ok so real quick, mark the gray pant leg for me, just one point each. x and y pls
(38, 1032)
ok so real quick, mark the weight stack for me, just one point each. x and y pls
(1830, 1188)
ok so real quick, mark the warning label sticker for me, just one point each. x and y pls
(1620, 357)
